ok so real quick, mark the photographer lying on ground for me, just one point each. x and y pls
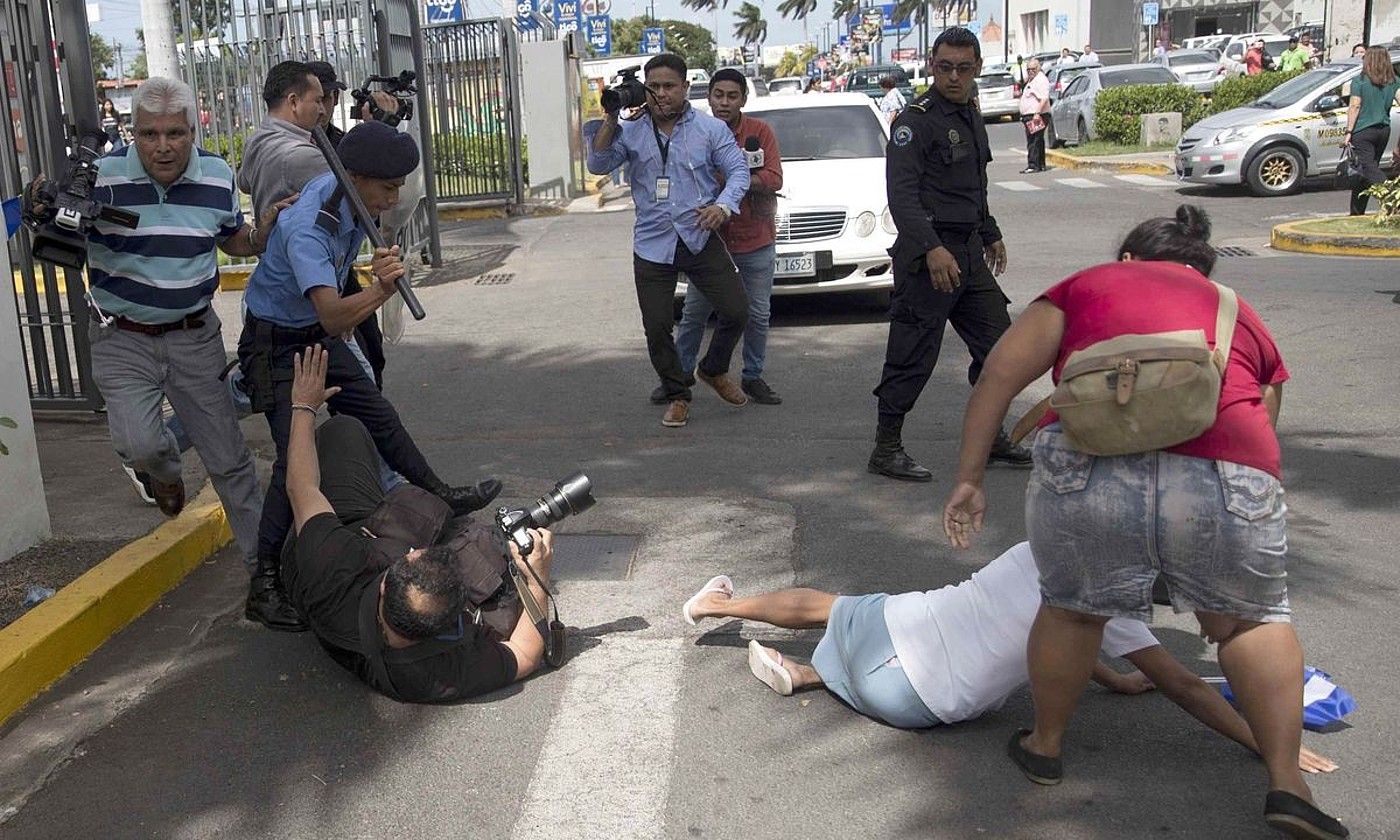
(919, 659)
(403, 623)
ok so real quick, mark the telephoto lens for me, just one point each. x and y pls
(572, 495)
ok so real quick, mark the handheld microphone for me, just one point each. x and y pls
(753, 153)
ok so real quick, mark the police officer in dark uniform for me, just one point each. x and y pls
(948, 249)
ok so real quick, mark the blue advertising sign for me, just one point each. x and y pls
(653, 40)
(523, 11)
(566, 15)
(444, 11)
(599, 31)
(1149, 14)
(888, 24)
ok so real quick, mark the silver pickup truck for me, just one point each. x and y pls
(1274, 143)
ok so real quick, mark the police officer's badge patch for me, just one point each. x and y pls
(903, 135)
(954, 137)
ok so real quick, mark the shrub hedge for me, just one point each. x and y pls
(1117, 110)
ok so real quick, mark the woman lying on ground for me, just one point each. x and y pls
(919, 659)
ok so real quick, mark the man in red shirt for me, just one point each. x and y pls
(749, 236)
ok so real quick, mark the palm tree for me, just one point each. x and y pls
(915, 11)
(843, 9)
(796, 9)
(705, 5)
(751, 28)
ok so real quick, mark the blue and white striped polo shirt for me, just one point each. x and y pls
(166, 267)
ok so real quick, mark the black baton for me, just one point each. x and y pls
(362, 216)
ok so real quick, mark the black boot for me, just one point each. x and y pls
(267, 602)
(1006, 452)
(889, 457)
(467, 499)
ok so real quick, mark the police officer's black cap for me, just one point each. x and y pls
(326, 73)
(375, 150)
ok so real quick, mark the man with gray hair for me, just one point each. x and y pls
(153, 335)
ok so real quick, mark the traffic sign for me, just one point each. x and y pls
(444, 11)
(1149, 14)
(599, 31)
(653, 40)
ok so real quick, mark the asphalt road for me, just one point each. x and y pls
(193, 723)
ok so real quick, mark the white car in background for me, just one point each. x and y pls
(834, 224)
(786, 85)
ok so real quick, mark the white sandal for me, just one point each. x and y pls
(768, 669)
(718, 583)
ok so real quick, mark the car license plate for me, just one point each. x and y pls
(795, 265)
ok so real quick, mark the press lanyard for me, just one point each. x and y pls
(663, 183)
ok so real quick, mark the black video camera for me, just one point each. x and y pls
(628, 93)
(401, 87)
(70, 210)
(571, 496)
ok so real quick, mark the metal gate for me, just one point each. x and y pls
(52, 313)
(472, 80)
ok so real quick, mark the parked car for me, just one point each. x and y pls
(1061, 75)
(1072, 115)
(1207, 42)
(866, 80)
(785, 85)
(997, 95)
(1232, 58)
(1197, 69)
(834, 223)
(701, 90)
(1274, 143)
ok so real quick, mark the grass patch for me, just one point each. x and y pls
(1104, 148)
(1354, 225)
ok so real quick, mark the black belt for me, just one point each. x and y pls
(192, 321)
(266, 332)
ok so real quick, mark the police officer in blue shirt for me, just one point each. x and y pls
(294, 299)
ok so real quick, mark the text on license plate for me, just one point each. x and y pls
(795, 265)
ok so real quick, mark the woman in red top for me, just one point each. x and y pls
(1207, 515)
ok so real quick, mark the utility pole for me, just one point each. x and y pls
(120, 67)
(158, 24)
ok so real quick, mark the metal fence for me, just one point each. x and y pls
(53, 316)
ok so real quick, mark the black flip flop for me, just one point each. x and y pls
(1041, 769)
(1299, 818)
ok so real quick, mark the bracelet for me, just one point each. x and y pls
(305, 407)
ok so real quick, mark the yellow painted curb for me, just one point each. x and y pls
(1064, 161)
(44, 643)
(470, 214)
(234, 278)
(1289, 237)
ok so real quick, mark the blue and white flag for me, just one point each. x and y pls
(1324, 702)
(12, 215)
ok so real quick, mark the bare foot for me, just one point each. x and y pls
(710, 605)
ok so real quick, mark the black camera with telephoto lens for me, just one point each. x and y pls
(628, 93)
(401, 87)
(572, 495)
(70, 210)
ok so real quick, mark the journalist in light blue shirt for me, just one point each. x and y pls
(703, 166)
(688, 177)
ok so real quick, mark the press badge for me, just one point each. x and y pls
(663, 188)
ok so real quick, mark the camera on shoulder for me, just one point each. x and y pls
(69, 208)
(627, 93)
(401, 87)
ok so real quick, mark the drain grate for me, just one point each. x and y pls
(1234, 251)
(494, 279)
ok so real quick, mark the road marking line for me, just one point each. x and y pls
(604, 770)
(1146, 180)
(1080, 183)
(1015, 150)
(1018, 186)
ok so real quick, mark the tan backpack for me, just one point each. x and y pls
(1141, 392)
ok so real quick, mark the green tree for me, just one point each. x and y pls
(750, 27)
(693, 43)
(103, 58)
(206, 16)
(138, 64)
(795, 63)
(797, 9)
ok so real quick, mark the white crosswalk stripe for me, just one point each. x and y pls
(1018, 186)
(1146, 181)
(1080, 183)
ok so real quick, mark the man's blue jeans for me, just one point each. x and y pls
(756, 270)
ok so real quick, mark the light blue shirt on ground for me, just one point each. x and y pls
(166, 267)
(704, 166)
(308, 249)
